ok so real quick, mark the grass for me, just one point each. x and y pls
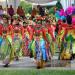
(37, 72)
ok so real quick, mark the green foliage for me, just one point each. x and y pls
(59, 5)
(51, 10)
(26, 6)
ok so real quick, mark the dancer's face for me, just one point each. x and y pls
(37, 38)
(5, 20)
(16, 21)
(4, 35)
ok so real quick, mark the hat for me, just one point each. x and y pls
(16, 16)
(5, 16)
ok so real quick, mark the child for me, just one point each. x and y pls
(17, 43)
(26, 43)
(40, 50)
(5, 49)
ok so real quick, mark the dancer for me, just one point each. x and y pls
(17, 43)
(40, 49)
(6, 51)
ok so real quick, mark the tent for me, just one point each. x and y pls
(47, 4)
(40, 1)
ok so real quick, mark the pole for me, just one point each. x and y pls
(6, 3)
(15, 5)
(7, 6)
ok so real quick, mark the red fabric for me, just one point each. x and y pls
(1, 29)
(19, 28)
(20, 12)
(65, 28)
(50, 31)
(10, 27)
(30, 29)
(44, 31)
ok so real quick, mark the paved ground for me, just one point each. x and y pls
(24, 62)
(29, 63)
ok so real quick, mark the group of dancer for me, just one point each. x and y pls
(18, 40)
(39, 38)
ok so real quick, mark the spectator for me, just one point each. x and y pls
(20, 12)
(11, 11)
(1, 10)
(41, 11)
(5, 11)
(33, 14)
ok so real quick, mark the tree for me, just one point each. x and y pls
(26, 6)
(59, 5)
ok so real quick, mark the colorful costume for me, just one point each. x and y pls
(31, 47)
(60, 37)
(73, 43)
(66, 45)
(17, 43)
(40, 49)
(26, 42)
(6, 51)
(51, 39)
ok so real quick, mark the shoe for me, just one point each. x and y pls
(38, 67)
(6, 65)
(17, 59)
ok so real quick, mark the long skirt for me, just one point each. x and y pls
(6, 51)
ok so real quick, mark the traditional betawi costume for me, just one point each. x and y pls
(61, 36)
(73, 43)
(68, 44)
(7, 26)
(1, 29)
(32, 42)
(73, 34)
(50, 34)
(17, 38)
(17, 43)
(6, 51)
(38, 47)
(73, 31)
(40, 50)
(48, 39)
(26, 41)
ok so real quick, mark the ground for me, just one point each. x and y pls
(27, 66)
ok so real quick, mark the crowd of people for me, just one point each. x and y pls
(39, 36)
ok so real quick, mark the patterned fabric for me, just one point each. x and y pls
(17, 44)
(26, 45)
(40, 48)
(38, 51)
(5, 50)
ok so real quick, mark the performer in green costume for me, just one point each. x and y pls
(6, 51)
(17, 44)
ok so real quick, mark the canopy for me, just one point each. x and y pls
(47, 4)
(40, 1)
